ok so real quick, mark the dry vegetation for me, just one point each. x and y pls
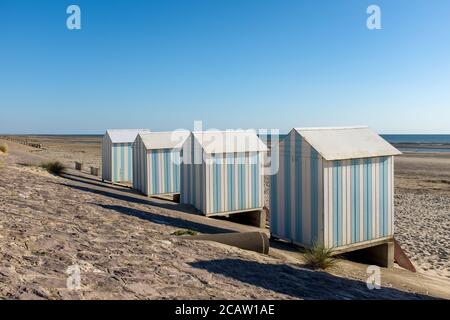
(319, 257)
(53, 167)
(3, 148)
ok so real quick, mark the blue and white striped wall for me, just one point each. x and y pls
(334, 203)
(192, 175)
(117, 161)
(223, 183)
(156, 171)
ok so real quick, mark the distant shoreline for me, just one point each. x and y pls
(440, 145)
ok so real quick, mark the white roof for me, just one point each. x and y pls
(229, 141)
(124, 135)
(347, 142)
(164, 140)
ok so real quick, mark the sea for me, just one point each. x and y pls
(420, 143)
(404, 142)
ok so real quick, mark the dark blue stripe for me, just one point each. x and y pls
(314, 195)
(130, 162)
(335, 204)
(339, 195)
(274, 203)
(287, 191)
(298, 189)
(116, 165)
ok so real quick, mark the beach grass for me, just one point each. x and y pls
(185, 232)
(319, 257)
(53, 167)
(3, 148)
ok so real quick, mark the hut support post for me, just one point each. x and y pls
(381, 255)
(258, 219)
(255, 218)
(176, 198)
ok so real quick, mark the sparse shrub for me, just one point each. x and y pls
(54, 167)
(3, 148)
(319, 257)
(184, 232)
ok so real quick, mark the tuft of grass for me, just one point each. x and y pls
(319, 257)
(3, 148)
(53, 167)
(184, 232)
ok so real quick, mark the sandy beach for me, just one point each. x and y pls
(124, 247)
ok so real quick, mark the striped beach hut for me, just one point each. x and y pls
(222, 172)
(334, 187)
(117, 156)
(156, 162)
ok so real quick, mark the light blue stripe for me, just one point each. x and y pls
(314, 195)
(352, 200)
(274, 202)
(386, 195)
(178, 176)
(191, 184)
(130, 162)
(240, 183)
(287, 193)
(335, 204)
(116, 165)
(298, 189)
(154, 172)
(201, 185)
(358, 202)
(219, 187)
(259, 201)
(366, 199)
(339, 196)
(255, 183)
(174, 178)
(257, 180)
(122, 161)
(167, 171)
(381, 196)
(214, 185)
(231, 190)
(369, 188)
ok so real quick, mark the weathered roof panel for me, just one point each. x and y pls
(340, 143)
(124, 135)
(163, 140)
(229, 141)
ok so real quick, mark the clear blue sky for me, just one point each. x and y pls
(231, 63)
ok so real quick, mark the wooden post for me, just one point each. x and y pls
(78, 166)
(94, 171)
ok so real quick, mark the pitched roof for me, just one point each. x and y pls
(124, 135)
(163, 140)
(229, 141)
(347, 142)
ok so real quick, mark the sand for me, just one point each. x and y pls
(422, 210)
(125, 249)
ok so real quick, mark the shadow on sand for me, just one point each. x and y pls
(166, 220)
(299, 282)
(122, 193)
